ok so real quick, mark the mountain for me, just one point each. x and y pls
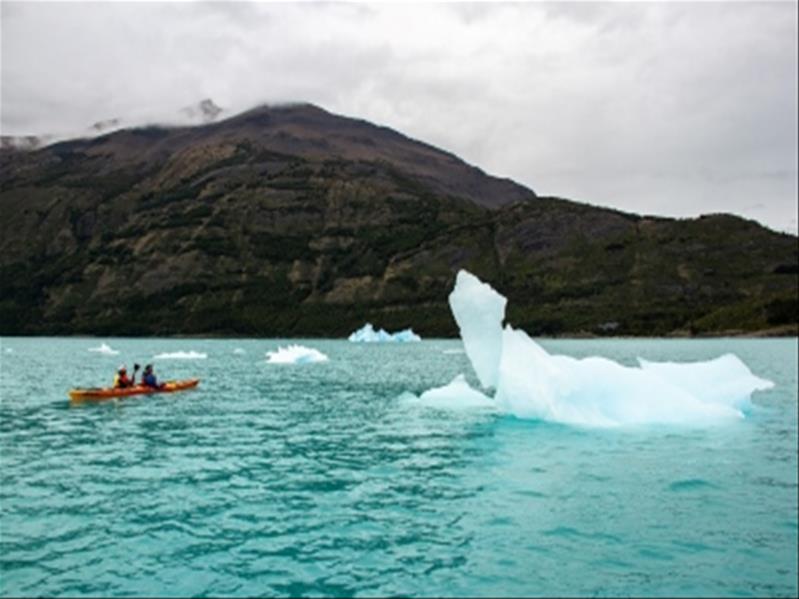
(290, 220)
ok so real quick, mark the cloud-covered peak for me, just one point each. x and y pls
(673, 109)
(205, 111)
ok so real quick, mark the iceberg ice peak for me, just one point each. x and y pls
(594, 391)
(479, 311)
(367, 334)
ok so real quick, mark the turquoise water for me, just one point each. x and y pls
(320, 479)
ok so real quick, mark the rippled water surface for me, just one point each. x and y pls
(321, 479)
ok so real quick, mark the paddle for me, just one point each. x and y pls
(133, 378)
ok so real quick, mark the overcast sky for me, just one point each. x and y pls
(671, 109)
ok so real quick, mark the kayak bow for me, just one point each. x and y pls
(111, 393)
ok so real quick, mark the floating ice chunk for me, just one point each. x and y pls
(594, 391)
(105, 350)
(456, 395)
(295, 354)
(406, 336)
(239, 351)
(367, 334)
(479, 312)
(453, 351)
(9, 350)
(181, 355)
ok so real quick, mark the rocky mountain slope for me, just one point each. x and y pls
(293, 221)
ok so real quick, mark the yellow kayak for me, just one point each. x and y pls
(111, 393)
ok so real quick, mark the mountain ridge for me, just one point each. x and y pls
(292, 221)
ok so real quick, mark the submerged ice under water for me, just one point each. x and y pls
(529, 382)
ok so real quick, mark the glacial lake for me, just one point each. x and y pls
(324, 479)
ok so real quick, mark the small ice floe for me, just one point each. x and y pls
(454, 351)
(105, 350)
(239, 351)
(295, 354)
(181, 355)
(9, 350)
(367, 334)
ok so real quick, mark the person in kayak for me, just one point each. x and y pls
(148, 378)
(121, 380)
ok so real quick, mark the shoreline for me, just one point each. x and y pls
(782, 332)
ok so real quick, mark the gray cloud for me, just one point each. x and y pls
(675, 109)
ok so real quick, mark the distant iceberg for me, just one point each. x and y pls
(181, 355)
(295, 354)
(105, 350)
(367, 334)
(528, 382)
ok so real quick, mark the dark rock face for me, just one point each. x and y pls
(293, 221)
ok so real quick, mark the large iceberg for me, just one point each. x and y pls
(367, 334)
(295, 354)
(528, 382)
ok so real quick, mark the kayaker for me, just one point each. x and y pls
(148, 378)
(121, 379)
